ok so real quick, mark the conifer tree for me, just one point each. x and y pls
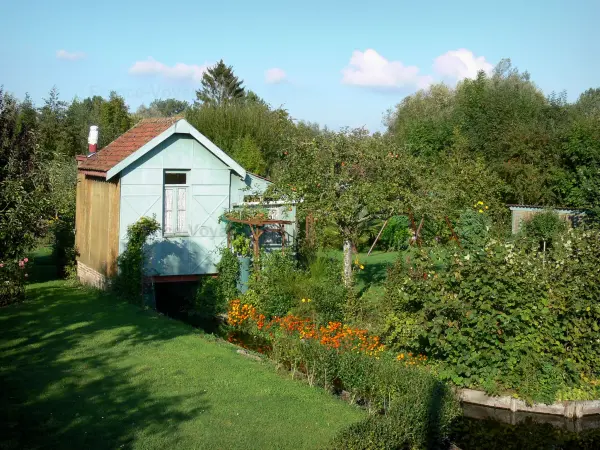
(220, 86)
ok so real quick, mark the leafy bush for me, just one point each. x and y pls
(419, 415)
(396, 234)
(276, 283)
(543, 228)
(129, 280)
(215, 293)
(13, 274)
(63, 245)
(280, 286)
(501, 318)
(474, 227)
(324, 285)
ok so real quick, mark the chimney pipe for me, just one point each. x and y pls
(93, 139)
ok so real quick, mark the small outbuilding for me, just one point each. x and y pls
(522, 213)
(167, 169)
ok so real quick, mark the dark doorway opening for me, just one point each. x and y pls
(175, 299)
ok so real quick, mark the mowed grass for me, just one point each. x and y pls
(79, 369)
(375, 266)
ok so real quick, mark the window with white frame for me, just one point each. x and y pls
(176, 198)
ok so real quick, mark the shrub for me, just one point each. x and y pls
(325, 287)
(420, 414)
(214, 293)
(63, 245)
(396, 234)
(276, 284)
(543, 228)
(13, 274)
(129, 280)
(474, 227)
(229, 272)
(501, 318)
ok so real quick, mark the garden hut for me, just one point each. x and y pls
(522, 213)
(166, 169)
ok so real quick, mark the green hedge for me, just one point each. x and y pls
(506, 317)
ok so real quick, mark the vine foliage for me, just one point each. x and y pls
(129, 279)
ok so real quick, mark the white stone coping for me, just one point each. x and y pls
(572, 409)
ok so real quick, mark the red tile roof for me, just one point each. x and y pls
(126, 144)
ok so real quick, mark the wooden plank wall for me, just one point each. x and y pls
(97, 223)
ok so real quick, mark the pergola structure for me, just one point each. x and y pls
(257, 228)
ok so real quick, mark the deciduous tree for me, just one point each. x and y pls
(347, 179)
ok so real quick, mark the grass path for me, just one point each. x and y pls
(79, 369)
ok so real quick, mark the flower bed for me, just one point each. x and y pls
(396, 388)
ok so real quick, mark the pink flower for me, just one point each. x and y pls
(1, 265)
(21, 264)
(25, 260)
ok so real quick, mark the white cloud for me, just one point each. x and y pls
(70, 56)
(370, 69)
(275, 75)
(178, 71)
(459, 64)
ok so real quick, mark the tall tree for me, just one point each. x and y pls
(53, 139)
(114, 119)
(111, 116)
(226, 126)
(220, 86)
(24, 186)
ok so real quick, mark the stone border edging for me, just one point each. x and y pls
(572, 409)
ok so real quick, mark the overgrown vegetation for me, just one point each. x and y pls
(504, 317)
(215, 293)
(278, 284)
(129, 280)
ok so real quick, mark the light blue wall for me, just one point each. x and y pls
(251, 185)
(212, 186)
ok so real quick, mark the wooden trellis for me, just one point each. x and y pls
(257, 228)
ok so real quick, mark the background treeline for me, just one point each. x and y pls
(519, 145)
(544, 150)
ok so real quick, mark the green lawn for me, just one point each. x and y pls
(375, 266)
(79, 369)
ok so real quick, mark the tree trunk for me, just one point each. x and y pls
(347, 263)
(544, 254)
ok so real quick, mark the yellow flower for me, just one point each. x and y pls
(308, 300)
(480, 203)
(303, 300)
(481, 210)
(362, 267)
(486, 207)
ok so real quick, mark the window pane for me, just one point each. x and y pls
(181, 207)
(175, 178)
(181, 221)
(168, 223)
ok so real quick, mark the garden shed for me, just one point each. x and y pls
(162, 168)
(522, 213)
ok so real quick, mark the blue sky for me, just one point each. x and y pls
(339, 63)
